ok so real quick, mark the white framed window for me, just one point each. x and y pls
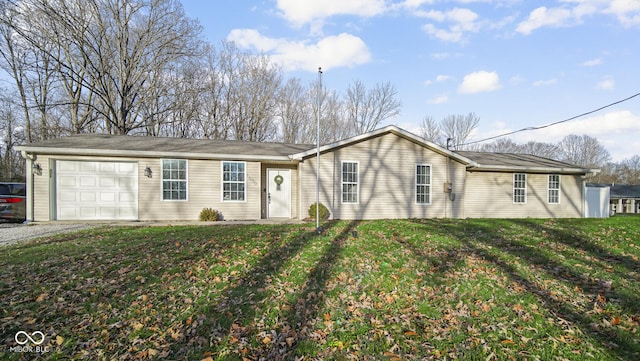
(234, 181)
(423, 183)
(519, 188)
(554, 189)
(350, 182)
(174, 180)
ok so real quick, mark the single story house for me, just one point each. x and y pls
(386, 173)
(624, 198)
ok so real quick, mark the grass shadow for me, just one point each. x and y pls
(484, 238)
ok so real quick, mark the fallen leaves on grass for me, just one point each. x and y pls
(416, 289)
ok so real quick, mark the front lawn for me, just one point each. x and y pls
(397, 290)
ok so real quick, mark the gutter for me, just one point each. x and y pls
(504, 168)
(148, 154)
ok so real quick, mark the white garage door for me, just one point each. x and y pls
(96, 190)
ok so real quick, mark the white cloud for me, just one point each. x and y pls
(439, 79)
(461, 21)
(480, 81)
(343, 50)
(607, 84)
(545, 82)
(627, 11)
(309, 11)
(573, 11)
(441, 99)
(592, 62)
(542, 17)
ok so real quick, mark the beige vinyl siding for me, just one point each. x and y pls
(490, 195)
(204, 189)
(41, 211)
(294, 187)
(386, 181)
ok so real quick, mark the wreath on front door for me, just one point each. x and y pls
(278, 179)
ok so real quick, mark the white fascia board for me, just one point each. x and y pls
(149, 154)
(549, 170)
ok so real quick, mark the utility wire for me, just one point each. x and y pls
(555, 123)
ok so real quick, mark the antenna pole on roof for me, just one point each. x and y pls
(318, 229)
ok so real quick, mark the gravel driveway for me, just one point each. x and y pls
(11, 233)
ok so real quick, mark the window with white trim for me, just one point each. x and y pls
(519, 188)
(423, 184)
(174, 180)
(554, 189)
(350, 182)
(233, 181)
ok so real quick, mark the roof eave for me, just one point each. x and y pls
(550, 170)
(150, 154)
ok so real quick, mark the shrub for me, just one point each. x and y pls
(323, 211)
(210, 215)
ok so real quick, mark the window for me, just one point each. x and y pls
(233, 181)
(554, 188)
(519, 188)
(349, 182)
(174, 180)
(423, 184)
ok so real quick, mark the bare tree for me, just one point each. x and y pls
(125, 48)
(15, 58)
(294, 110)
(458, 128)
(501, 145)
(430, 130)
(253, 103)
(506, 145)
(584, 151)
(541, 149)
(629, 170)
(366, 109)
(12, 166)
(452, 131)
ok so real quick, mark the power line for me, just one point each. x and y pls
(555, 123)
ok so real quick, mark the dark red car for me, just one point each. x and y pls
(13, 202)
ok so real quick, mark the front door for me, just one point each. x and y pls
(279, 193)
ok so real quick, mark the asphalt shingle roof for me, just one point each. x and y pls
(170, 145)
(514, 160)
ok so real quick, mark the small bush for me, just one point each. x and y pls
(323, 211)
(210, 215)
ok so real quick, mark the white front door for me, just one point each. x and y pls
(278, 193)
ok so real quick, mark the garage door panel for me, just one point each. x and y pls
(128, 168)
(108, 212)
(96, 190)
(107, 182)
(87, 167)
(67, 197)
(88, 212)
(107, 167)
(67, 181)
(67, 213)
(87, 196)
(87, 181)
(109, 197)
(67, 167)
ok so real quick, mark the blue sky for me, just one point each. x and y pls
(514, 63)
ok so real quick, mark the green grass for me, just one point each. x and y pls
(401, 290)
